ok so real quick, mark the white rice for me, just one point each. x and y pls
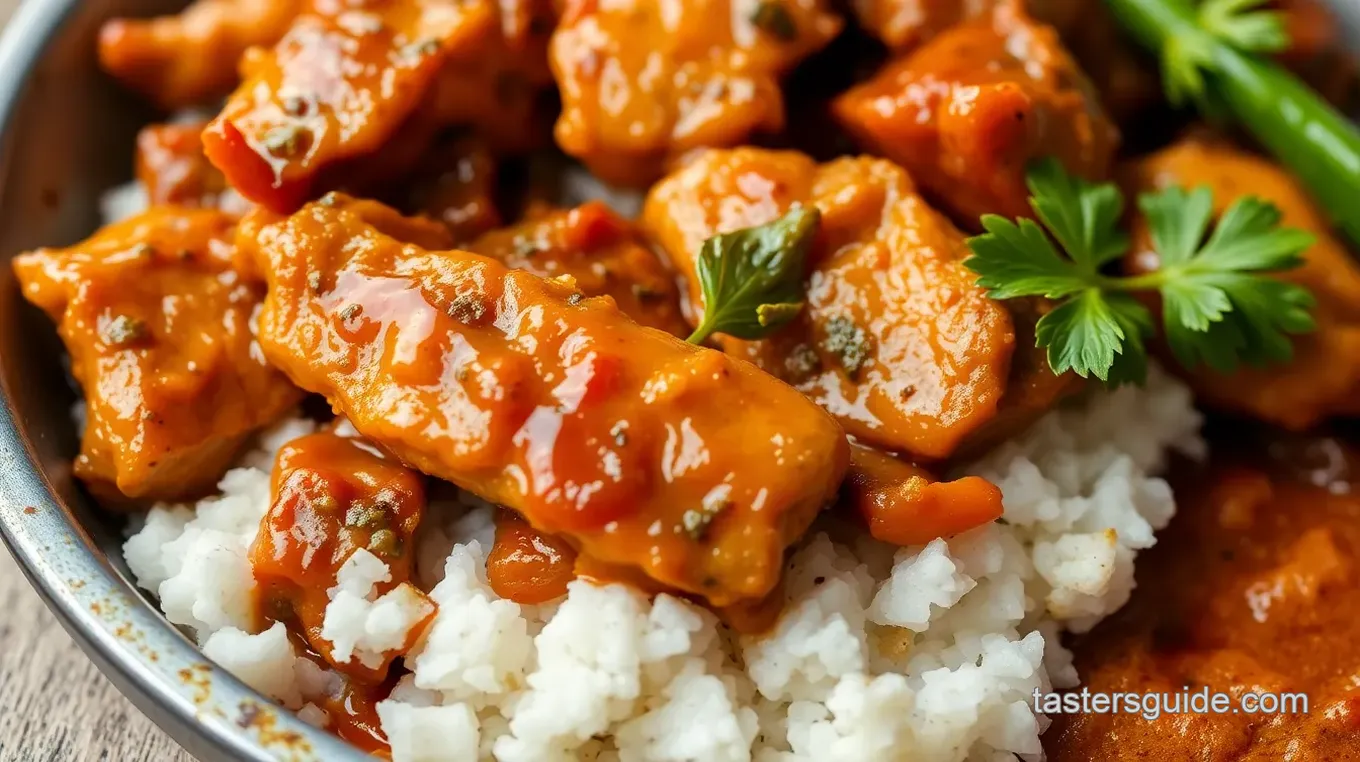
(364, 626)
(882, 654)
(123, 201)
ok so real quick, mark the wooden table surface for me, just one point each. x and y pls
(54, 704)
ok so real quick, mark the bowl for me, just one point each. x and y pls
(66, 135)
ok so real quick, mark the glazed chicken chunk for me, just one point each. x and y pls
(1124, 77)
(621, 438)
(905, 24)
(188, 58)
(643, 81)
(967, 113)
(895, 340)
(158, 327)
(353, 96)
(1323, 379)
(600, 252)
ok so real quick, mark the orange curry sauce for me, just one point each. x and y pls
(527, 566)
(1255, 586)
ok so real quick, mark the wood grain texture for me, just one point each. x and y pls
(54, 704)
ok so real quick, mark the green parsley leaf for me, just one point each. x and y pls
(1083, 217)
(1217, 289)
(1194, 305)
(1178, 221)
(1086, 332)
(1219, 307)
(1131, 361)
(1217, 347)
(1019, 260)
(1248, 237)
(1184, 61)
(752, 279)
(1245, 24)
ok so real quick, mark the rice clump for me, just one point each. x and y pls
(882, 653)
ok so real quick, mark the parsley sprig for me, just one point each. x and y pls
(1218, 305)
(752, 279)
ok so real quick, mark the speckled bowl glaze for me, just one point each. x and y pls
(66, 135)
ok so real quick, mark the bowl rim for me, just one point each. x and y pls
(200, 705)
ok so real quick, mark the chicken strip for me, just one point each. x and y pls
(643, 81)
(642, 450)
(896, 339)
(967, 113)
(1323, 379)
(190, 58)
(158, 327)
(354, 97)
(600, 252)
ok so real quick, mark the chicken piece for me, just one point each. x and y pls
(494, 86)
(355, 97)
(600, 252)
(333, 495)
(967, 112)
(456, 185)
(189, 58)
(173, 170)
(644, 80)
(641, 450)
(905, 24)
(905, 505)
(1032, 389)
(1323, 379)
(1123, 76)
(896, 339)
(158, 327)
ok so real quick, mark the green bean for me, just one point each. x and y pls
(1319, 144)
